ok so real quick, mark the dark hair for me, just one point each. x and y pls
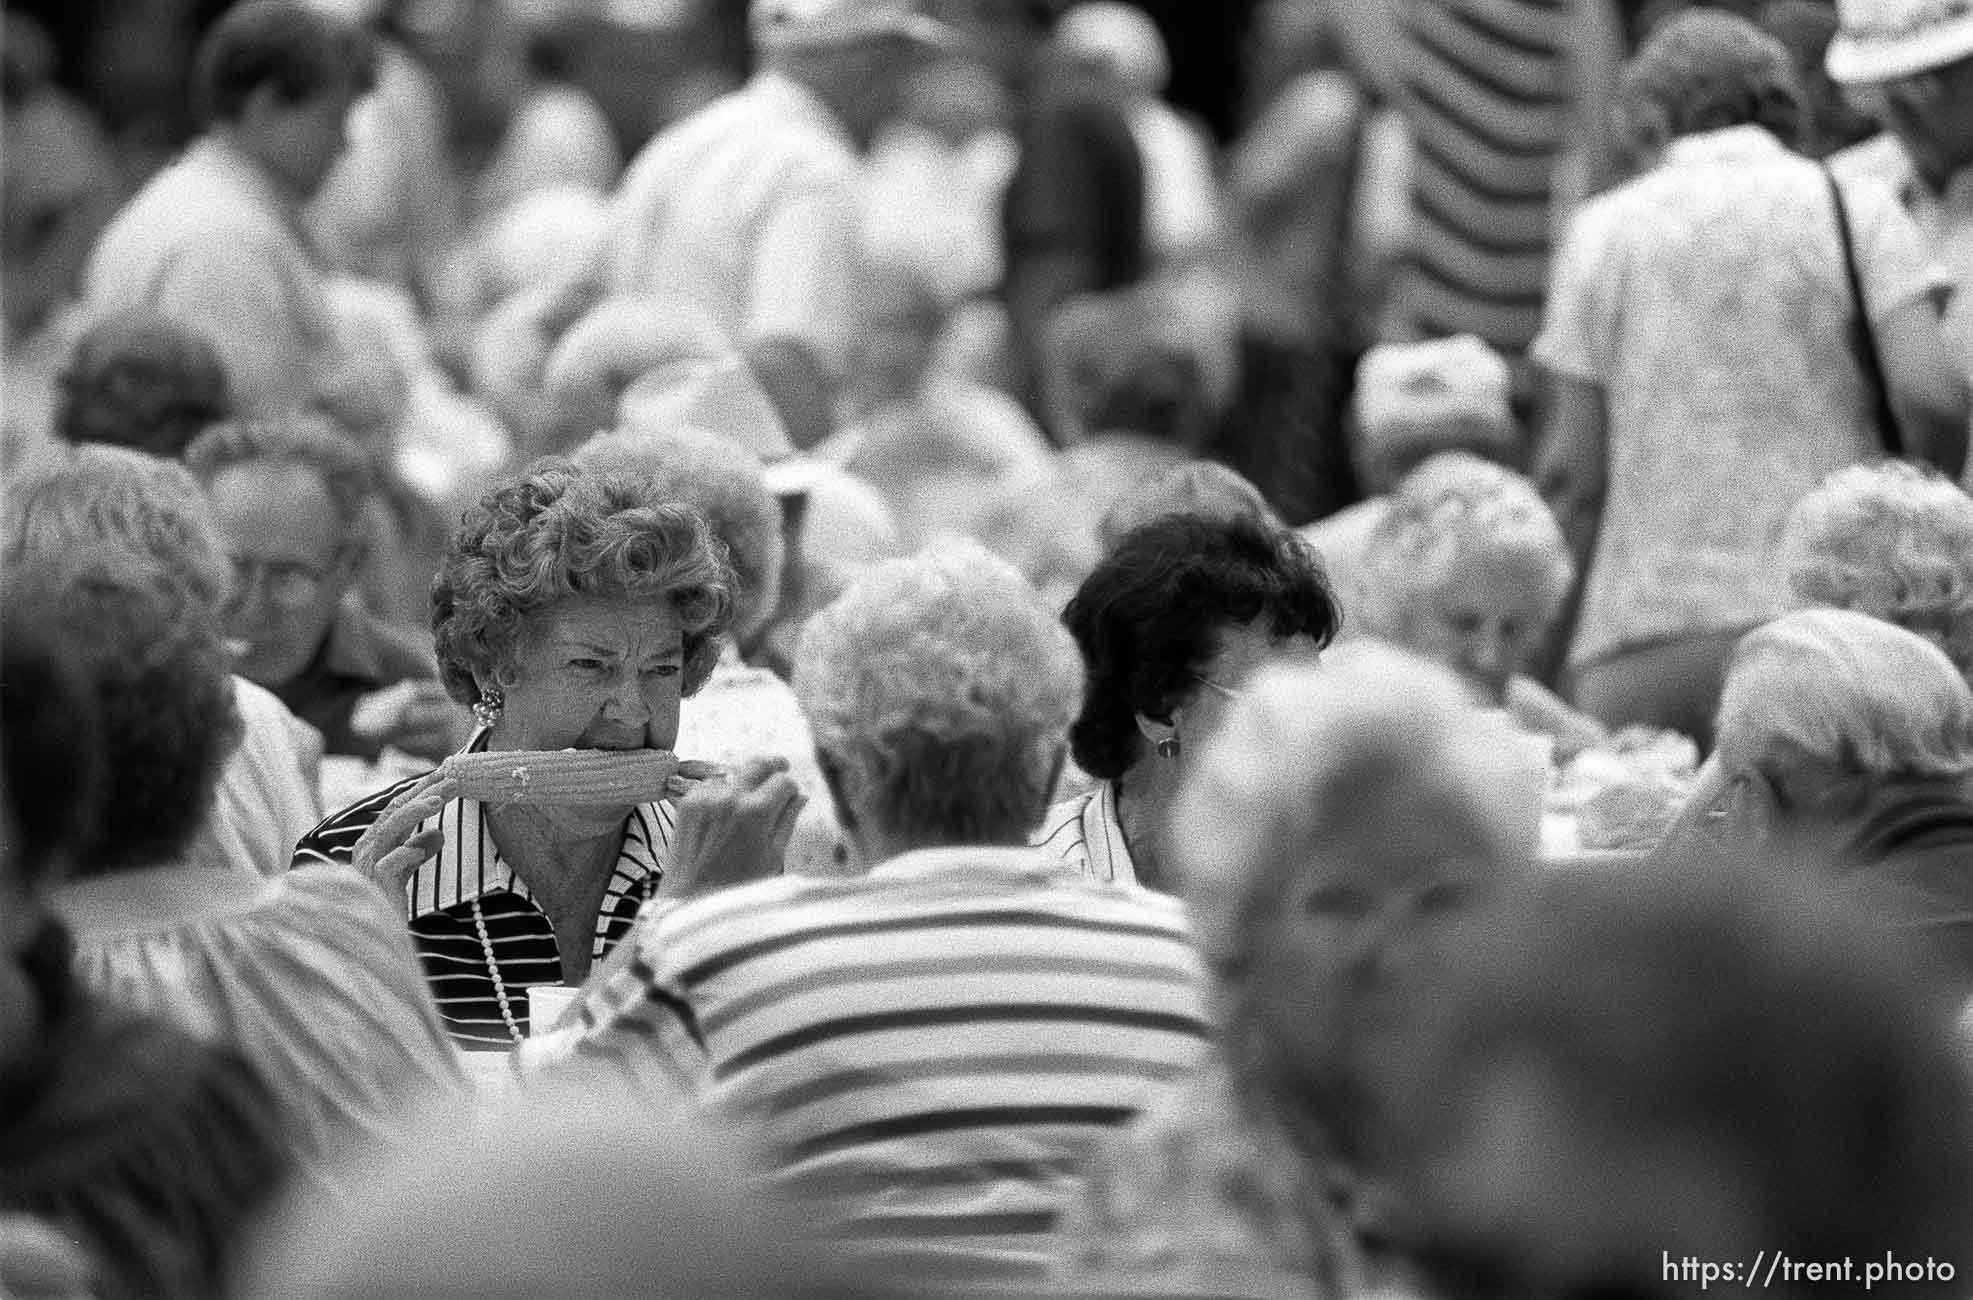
(1147, 618)
(291, 47)
(140, 380)
(1738, 1013)
(157, 675)
(49, 759)
(1704, 70)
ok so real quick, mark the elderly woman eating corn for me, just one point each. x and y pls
(574, 610)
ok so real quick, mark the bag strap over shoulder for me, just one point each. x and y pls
(1866, 336)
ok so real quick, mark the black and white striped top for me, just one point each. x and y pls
(930, 1052)
(468, 870)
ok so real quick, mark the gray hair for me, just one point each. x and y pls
(723, 481)
(940, 690)
(87, 496)
(1451, 505)
(1844, 694)
(1892, 540)
(1296, 755)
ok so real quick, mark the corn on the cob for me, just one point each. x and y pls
(566, 776)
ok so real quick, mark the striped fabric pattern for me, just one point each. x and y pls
(1083, 834)
(1485, 93)
(439, 902)
(930, 1052)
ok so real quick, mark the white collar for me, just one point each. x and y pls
(468, 863)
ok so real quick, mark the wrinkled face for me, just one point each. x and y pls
(1349, 956)
(1484, 619)
(292, 562)
(596, 673)
(300, 143)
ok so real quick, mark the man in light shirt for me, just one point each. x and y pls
(749, 208)
(1910, 64)
(214, 241)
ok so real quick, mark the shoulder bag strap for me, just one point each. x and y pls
(1866, 336)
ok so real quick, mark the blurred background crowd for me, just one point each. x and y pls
(1268, 648)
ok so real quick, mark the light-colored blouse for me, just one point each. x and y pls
(309, 975)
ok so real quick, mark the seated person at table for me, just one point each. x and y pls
(72, 499)
(1179, 614)
(1467, 567)
(1892, 540)
(927, 1050)
(308, 974)
(1634, 1068)
(1326, 840)
(576, 609)
(1856, 735)
(290, 498)
(146, 1152)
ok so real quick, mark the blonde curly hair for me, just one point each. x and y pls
(1892, 540)
(1449, 506)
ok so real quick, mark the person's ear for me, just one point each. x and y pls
(1157, 730)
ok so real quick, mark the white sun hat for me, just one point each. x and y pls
(820, 24)
(1882, 40)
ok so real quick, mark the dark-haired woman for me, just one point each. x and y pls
(1174, 620)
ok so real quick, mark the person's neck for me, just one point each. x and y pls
(566, 868)
(1144, 795)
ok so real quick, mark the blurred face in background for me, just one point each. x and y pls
(1484, 617)
(1931, 114)
(1346, 961)
(293, 558)
(298, 142)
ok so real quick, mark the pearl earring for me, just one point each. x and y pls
(486, 709)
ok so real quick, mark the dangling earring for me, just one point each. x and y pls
(486, 710)
(1168, 747)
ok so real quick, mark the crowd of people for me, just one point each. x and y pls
(925, 677)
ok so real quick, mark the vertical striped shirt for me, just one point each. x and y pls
(1083, 833)
(468, 874)
(930, 1052)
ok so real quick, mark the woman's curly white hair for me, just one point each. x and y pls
(1892, 540)
(1451, 506)
(940, 690)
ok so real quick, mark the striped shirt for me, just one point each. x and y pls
(749, 209)
(930, 1052)
(1486, 97)
(1084, 834)
(467, 876)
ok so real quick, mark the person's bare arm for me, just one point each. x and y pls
(1928, 393)
(1572, 463)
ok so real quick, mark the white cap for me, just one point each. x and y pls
(1882, 40)
(1409, 392)
(820, 24)
(1120, 37)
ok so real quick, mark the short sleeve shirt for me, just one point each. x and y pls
(1709, 301)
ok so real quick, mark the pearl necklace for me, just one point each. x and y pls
(493, 969)
(493, 965)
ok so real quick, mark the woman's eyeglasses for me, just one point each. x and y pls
(1217, 689)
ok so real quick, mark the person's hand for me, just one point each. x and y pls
(37, 1262)
(394, 847)
(733, 831)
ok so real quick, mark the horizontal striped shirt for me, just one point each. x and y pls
(1083, 833)
(930, 1052)
(468, 872)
